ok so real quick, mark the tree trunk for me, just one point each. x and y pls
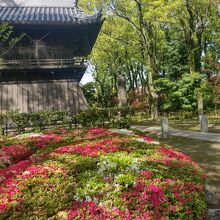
(200, 103)
(154, 96)
(198, 53)
(122, 95)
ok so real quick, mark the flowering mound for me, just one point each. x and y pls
(98, 174)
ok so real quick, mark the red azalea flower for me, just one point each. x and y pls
(16, 174)
(102, 147)
(173, 154)
(43, 141)
(15, 152)
(146, 138)
(147, 174)
(96, 132)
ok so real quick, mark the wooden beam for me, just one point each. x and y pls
(41, 64)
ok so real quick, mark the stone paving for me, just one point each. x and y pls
(213, 214)
(213, 137)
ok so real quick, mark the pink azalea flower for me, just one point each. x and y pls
(146, 138)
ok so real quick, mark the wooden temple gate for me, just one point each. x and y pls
(43, 70)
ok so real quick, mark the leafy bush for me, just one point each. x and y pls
(98, 174)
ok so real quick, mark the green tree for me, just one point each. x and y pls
(90, 93)
(168, 47)
(7, 39)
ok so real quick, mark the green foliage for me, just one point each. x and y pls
(125, 180)
(55, 199)
(105, 117)
(7, 38)
(5, 31)
(171, 40)
(93, 117)
(20, 121)
(36, 121)
(89, 91)
(182, 95)
(175, 60)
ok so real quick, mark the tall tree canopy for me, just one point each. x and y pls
(168, 51)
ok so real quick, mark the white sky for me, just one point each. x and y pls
(87, 76)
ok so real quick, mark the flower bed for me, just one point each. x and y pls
(98, 174)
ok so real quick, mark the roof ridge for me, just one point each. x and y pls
(40, 7)
(39, 3)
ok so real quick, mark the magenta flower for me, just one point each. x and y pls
(15, 153)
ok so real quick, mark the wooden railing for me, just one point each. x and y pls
(42, 64)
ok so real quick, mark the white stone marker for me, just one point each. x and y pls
(204, 124)
(164, 127)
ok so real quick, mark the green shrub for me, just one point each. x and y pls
(93, 117)
(105, 117)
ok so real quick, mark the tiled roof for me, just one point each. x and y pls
(38, 3)
(46, 15)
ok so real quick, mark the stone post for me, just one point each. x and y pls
(164, 127)
(204, 124)
(122, 95)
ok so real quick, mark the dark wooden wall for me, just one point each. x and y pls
(39, 43)
(42, 96)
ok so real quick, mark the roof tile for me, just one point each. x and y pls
(46, 15)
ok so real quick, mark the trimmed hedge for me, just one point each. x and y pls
(93, 117)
